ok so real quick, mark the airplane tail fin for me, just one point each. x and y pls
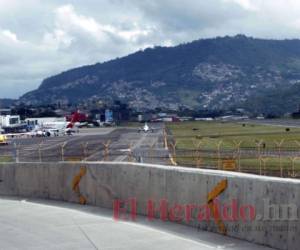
(74, 119)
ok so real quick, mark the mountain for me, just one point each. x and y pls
(259, 75)
(5, 102)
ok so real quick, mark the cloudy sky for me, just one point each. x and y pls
(39, 38)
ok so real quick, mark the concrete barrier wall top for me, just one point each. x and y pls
(184, 190)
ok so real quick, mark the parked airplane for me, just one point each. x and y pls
(146, 129)
(53, 129)
(78, 119)
(59, 128)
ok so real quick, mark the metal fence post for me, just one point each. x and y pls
(106, 150)
(264, 161)
(238, 152)
(173, 155)
(297, 157)
(258, 146)
(17, 148)
(40, 151)
(293, 160)
(84, 150)
(130, 156)
(165, 138)
(198, 145)
(279, 148)
(219, 144)
(63, 151)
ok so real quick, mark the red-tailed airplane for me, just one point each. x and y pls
(64, 127)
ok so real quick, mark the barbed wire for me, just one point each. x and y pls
(276, 158)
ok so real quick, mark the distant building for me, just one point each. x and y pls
(185, 118)
(145, 118)
(108, 116)
(39, 121)
(171, 119)
(204, 119)
(162, 115)
(11, 123)
(5, 112)
(140, 118)
(233, 118)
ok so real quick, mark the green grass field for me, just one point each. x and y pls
(252, 138)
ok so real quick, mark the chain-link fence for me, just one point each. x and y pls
(281, 158)
(87, 152)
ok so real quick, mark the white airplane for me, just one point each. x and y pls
(146, 129)
(54, 129)
(37, 132)
(47, 129)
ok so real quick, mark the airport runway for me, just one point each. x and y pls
(39, 224)
(97, 144)
(294, 123)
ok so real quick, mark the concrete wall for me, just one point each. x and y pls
(104, 182)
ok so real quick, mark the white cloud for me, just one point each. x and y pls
(10, 35)
(42, 38)
(68, 19)
(57, 39)
(246, 4)
(72, 23)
